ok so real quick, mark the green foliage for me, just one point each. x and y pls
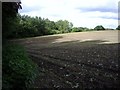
(118, 28)
(64, 26)
(18, 70)
(80, 29)
(55, 32)
(9, 12)
(27, 26)
(99, 27)
(76, 29)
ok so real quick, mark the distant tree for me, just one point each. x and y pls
(109, 29)
(64, 26)
(77, 29)
(85, 29)
(99, 27)
(49, 26)
(118, 28)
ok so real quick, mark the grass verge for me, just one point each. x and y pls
(18, 70)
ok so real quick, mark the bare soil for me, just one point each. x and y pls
(75, 60)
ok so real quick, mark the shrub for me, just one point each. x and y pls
(75, 29)
(118, 28)
(99, 27)
(18, 70)
(56, 32)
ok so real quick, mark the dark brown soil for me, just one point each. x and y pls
(74, 64)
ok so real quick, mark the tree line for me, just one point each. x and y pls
(27, 26)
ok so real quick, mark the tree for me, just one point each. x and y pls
(17, 68)
(49, 26)
(99, 27)
(9, 13)
(64, 26)
(118, 28)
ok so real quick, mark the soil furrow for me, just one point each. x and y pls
(69, 79)
(103, 68)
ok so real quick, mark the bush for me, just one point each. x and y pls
(18, 70)
(75, 29)
(56, 32)
(99, 27)
(118, 28)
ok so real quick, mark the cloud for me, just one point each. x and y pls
(87, 13)
(115, 18)
(100, 9)
(100, 6)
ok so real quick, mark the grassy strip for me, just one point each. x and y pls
(18, 70)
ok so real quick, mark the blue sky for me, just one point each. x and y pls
(82, 13)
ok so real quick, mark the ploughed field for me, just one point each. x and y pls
(75, 60)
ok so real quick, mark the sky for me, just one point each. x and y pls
(82, 13)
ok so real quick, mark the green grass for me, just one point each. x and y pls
(18, 70)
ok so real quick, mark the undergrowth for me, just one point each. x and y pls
(18, 69)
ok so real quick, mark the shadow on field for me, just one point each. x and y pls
(75, 64)
(37, 40)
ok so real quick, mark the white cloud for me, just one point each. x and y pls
(73, 11)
